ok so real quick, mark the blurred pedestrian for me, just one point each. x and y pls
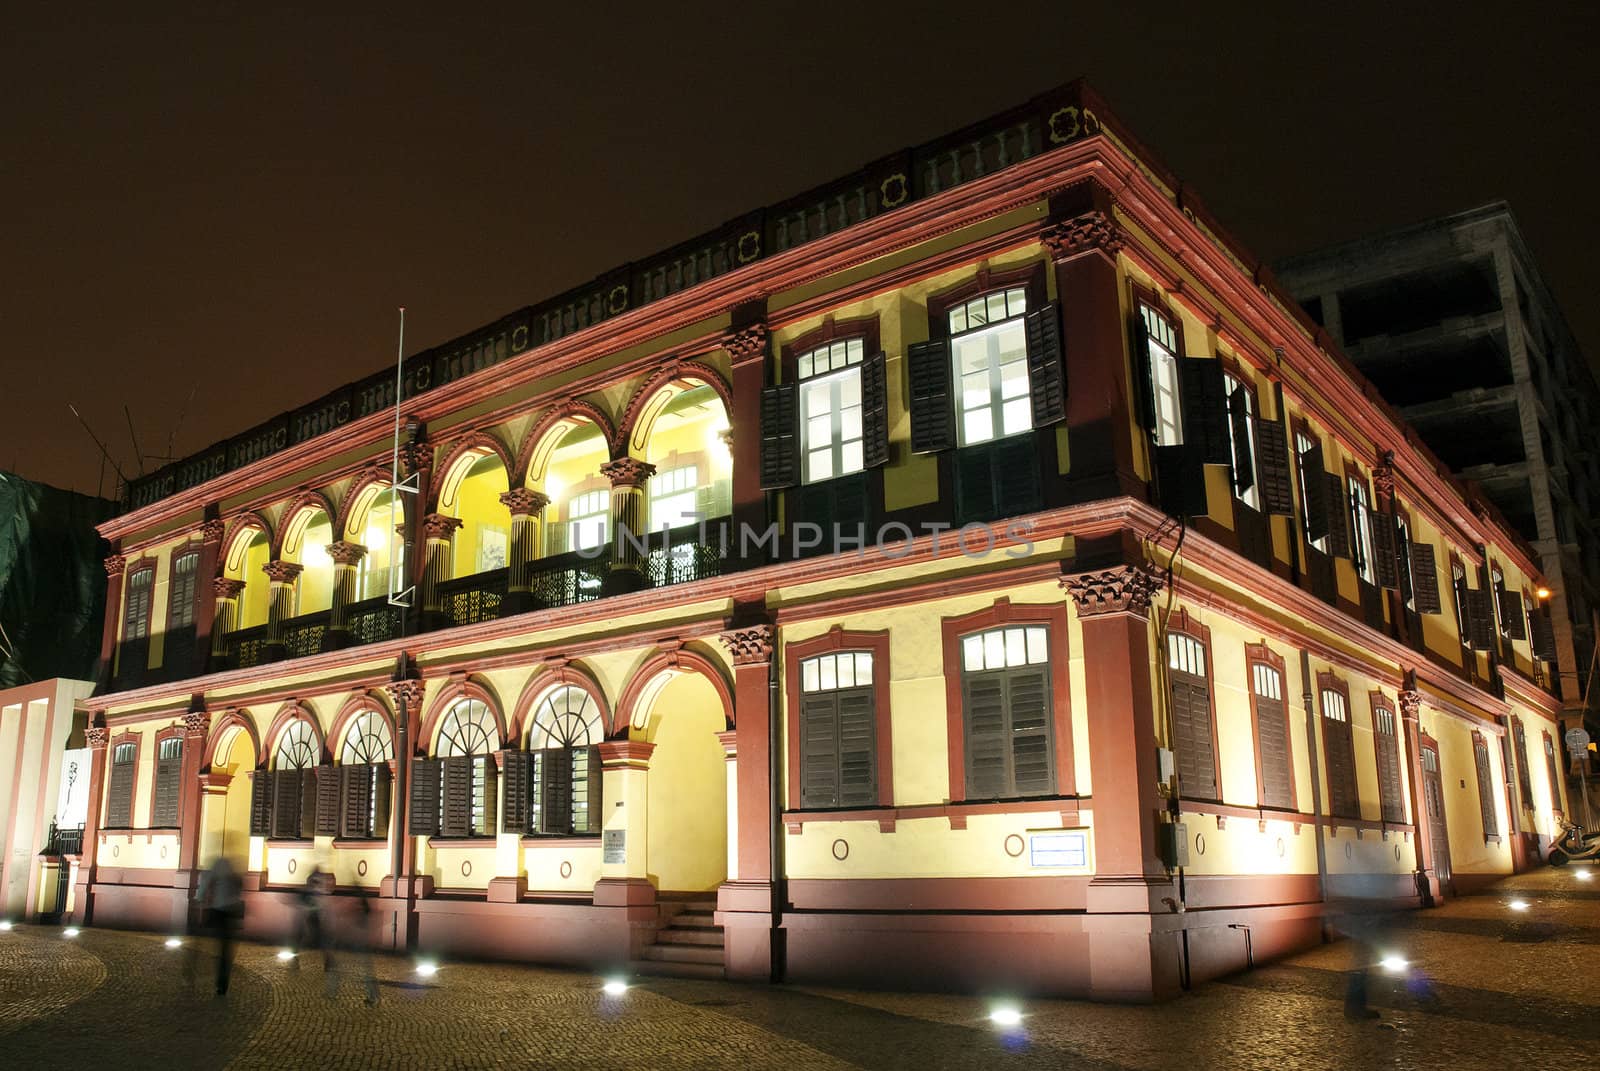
(221, 895)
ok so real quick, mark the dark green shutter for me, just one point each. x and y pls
(555, 790)
(355, 786)
(1205, 408)
(517, 770)
(819, 750)
(1424, 579)
(875, 410)
(1181, 480)
(1344, 800)
(1486, 808)
(426, 775)
(327, 800)
(308, 803)
(1144, 391)
(780, 446)
(1385, 550)
(1047, 378)
(381, 789)
(1543, 633)
(1511, 614)
(119, 805)
(1339, 520)
(597, 795)
(261, 804)
(933, 419)
(164, 804)
(1388, 772)
(1524, 772)
(984, 704)
(858, 784)
(1244, 469)
(287, 799)
(1272, 462)
(1272, 742)
(1028, 710)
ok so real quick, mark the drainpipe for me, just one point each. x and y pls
(1316, 775)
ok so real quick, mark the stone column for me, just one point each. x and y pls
(281, 576)
(437, 530)
(1428, 888)
(115, 565)
(96, 736)
(196, 727)
(747, 904)
(224, 618)
(1129, 960)
(730, 750)
(624, 887)
(346, 558)
(628, 476)
(398, 888)
(205, 611)
(747, 346)
(1083, 239)
(527, 507)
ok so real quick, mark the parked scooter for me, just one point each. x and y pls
(1573, 843)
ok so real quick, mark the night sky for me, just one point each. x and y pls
(236, 204)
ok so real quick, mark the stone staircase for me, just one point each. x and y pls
(689, 943)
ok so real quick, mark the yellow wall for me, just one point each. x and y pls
(315, 583)
(482, 513)
(688, 817)
(254, 601)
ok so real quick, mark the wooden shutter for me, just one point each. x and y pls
(355, 790)
(1028, 711)
(819, 750)
(1244, 469)
(984, 706)
(1144, 390)
(933, 420)
(1339, 533)
(328, 800)
(1480, 757)
(1272, 462)
(597, 795)
(308, 803)
(857, 721)
(1314, 482)
(780, 447)
(381, 790)
(164, 805)
(1272, 744)
(1524, 773)
(1191, 728)
(426, 775)
(1014, 469)
(517, 770)
(875, 410)
(1388, 750)
(1480, 619)
(1553, 773)
(555, 790)
(1385, 550)
(1205, 408)
(285, 804)
(1338, 751)
(456, 819)
(484, 767)
(1181, 480)
(1511, 614)
(260, 804)
(1424, 578)
(1047, 378)
(119, 804)
(1543, 634)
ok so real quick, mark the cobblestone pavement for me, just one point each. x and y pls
(1496, 987)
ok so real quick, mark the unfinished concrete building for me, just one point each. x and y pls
(1452, 321)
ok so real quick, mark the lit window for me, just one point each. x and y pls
(673, 497)
(1361, 523)
(467, 738)
(297, 747)
(564, 779)
(990, 348)
(838, 732)
(830, 410)
(589, 520)
(1006, 706)
(1163, 338)
(1239, 394)
(1303, 445)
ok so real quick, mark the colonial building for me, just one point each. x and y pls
(1069, 615)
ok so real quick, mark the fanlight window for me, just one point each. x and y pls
(567, 717)
(297, 747)
(562, 772)
(367, 741)
(467, 729)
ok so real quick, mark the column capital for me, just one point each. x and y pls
(415, 457)
(226, 587)
(212, 531)
(1410, 704)
(746, 343)
(1121, 589)
(730, 742)
(751, 645)
(407, 692)
(197, 723)
(524, 501)
(282, 572)
(115, 564)
(96, 737)
(627, 472)
(439, 526)
(344, 552)
(1383, 475)
(1093, 231)
(635, 753)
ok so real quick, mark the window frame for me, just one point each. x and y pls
(1301, 428)
(996, 400)
(117, 742)
(594, 717)
(1147, 301)
(1260, 654)
(1359, 507)
(1182, 624)
(834, 379)
(477, 818)
(159, 784)
(1233, 373)
(834, 641)
(189, 607)
(1487, 797)
(1328, 681)
(354, 725)
(1377, 701)
(1004, 612)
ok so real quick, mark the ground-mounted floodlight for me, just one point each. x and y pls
(1519, 905)
(427, 968)
(1006, 1015)
(1393, 963)
(173, 942)
(70, 931)
(614, 987)
(285, 955)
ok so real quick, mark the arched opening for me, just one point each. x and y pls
(464, 747)
(249, 554)
(378, 523)
(471, 492)
(681, 713)
(683, 435)
(305, 541)
(364, 755)
(225, 828)
(566, 789)
(578, 516)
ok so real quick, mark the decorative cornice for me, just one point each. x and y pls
(627, 472)
(1383, 475)
(626, 752)
(1410, 704)
(407, 694)
(1124, 589)
(1090, 232)
(282, 572)
(439, 526)
(346, 553)
(225, 587)
(524, 501)
(415, 457)
(746, 343)
(212, 531)
(749, 646)
(96, 736)
(115, 565)
(197, 723)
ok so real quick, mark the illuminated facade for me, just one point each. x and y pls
(1109, 514)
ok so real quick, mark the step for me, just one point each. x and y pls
(674, 935)
(676, 970)
(683, 953)
(692, 918)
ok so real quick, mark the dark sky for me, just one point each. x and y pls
(237, 203)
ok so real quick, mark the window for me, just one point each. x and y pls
(1242, 440)
(467, 784)
(589, 520)
(294, 782)
(1163, 346)
(180, 602)
(1553, 772)
(1486, 807)
(1524, 775)
(169, 773)
(830, 410)
(838, 731)
(1458, 584)
(492, 549)
(119, 800)
(136, 607)
(674, 496)
(1338, 749)
(1497, 584)
(1005, 683)
(1361, 528)
(1309, 451)
(372, 576)
(1274, 763)
(1386, 741)
(364, 777)
(554, 787)
(1193, 739)
(989, 346)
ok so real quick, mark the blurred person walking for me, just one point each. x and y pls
(221, 895)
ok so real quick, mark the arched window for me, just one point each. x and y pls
(297, 747)
(1005, 681)
(1193, 731)
(1386, 741)
(553, 788)
(1274, 759)
(364, 777)
(292, 811)
(455, 794)
(1338, 748)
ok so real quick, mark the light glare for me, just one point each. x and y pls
(173, 942)
(1582, 874)
(5, 924)
(427, 968)
(1005, 1015)
(70, 931)
(614, 988)
(1393, 964)
(285, 955)
(1518, 905)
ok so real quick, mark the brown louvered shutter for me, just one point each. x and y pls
(555, 790)
(486, 774)
(597, 795)
(858, 786)
(119, 802)
(1480, 619)
(1480, 758)
(286, 800)
(514, 815)
(355, 789)
(1144, 391)
(1313, 480)
(1205, 408)
(1338, 752)
(1339, 534)
(1511, 614)
(1424, 578)
(327, 779)
(933, 419)
(1047, 378)
(1524, 773)
(309, 803)
(1543, 633)
(875, 410)
(1191, 727)
(819, 750)
(1554, 774)
(456, 793)
(169, 770)
(1244, 470)
(780, 445)
(382, 790)
(1028, 710)
(426, 775)
(260, 804)
(984, 704)
(1272, 738)
(1272, 463)
(1388, 749)
(1385, 551)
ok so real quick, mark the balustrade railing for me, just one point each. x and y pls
(693, 552)
(468, 600)
(566, 579)
(373, 620)
(247, 647)
(303, 635)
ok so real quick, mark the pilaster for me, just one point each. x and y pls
(747, 904)
(629, 524)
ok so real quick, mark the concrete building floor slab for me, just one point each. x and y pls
(1490, 987)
